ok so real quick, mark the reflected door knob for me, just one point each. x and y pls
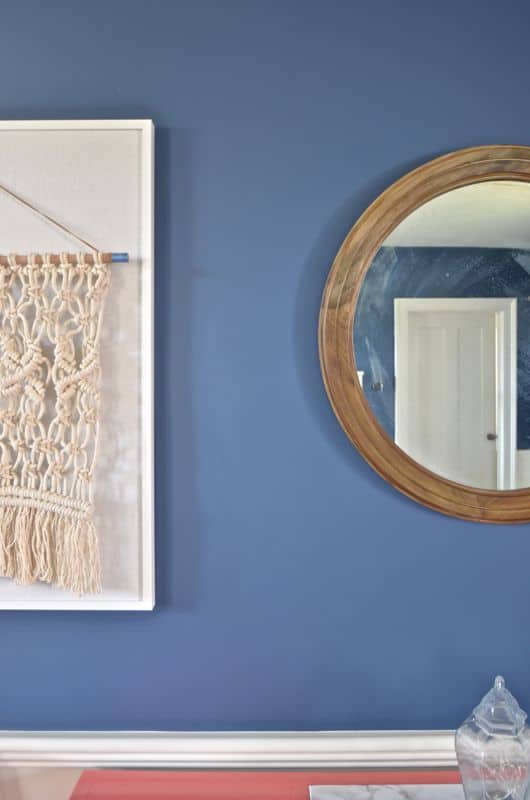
(491, 437)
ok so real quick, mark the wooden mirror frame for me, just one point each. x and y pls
(337, 314)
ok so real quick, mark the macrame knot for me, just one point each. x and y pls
(87, 385)
(21, 446)
(35, 390)
(30, 473)
(82, 264)
(66, 391)
(64, 417)
(9, 387)
(45, 315)
(58, 469)
(29, 420)
(10, 354)
(73, 449)
(46, 446)
(89, 416)
(35, 292)
(65, 354)
(7, 474)
(7, 417)
(32, 356)
(5, 279)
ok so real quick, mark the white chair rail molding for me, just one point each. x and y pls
(220, 750)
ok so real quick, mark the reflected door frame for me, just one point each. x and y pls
(505, 310)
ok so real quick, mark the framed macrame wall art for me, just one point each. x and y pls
(76, 365)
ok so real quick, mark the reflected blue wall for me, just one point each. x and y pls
(437, 272)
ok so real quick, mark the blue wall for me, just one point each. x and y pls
(295, 588)
(437, 272)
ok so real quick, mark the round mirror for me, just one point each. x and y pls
(425, 334)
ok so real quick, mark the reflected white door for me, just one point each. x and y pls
(455, 388)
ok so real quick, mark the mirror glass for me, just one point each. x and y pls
(442, 335)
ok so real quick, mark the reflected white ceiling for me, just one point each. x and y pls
(492, 214)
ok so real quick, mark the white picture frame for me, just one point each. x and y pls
(97, 177)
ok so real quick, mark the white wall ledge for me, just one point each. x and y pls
(247, 750)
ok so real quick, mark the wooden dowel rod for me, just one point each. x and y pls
(107, 258)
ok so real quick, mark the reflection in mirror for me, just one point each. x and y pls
(442, 335)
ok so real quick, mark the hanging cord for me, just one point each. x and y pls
(46, 217)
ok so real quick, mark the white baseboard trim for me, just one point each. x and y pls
(277, 750)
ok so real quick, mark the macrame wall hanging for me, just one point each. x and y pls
(50, 321)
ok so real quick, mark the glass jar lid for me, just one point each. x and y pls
(499, 713)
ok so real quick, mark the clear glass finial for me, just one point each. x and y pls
(499, 712)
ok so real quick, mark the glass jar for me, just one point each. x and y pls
(493, 748)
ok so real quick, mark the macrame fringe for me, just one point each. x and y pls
(43, 545)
